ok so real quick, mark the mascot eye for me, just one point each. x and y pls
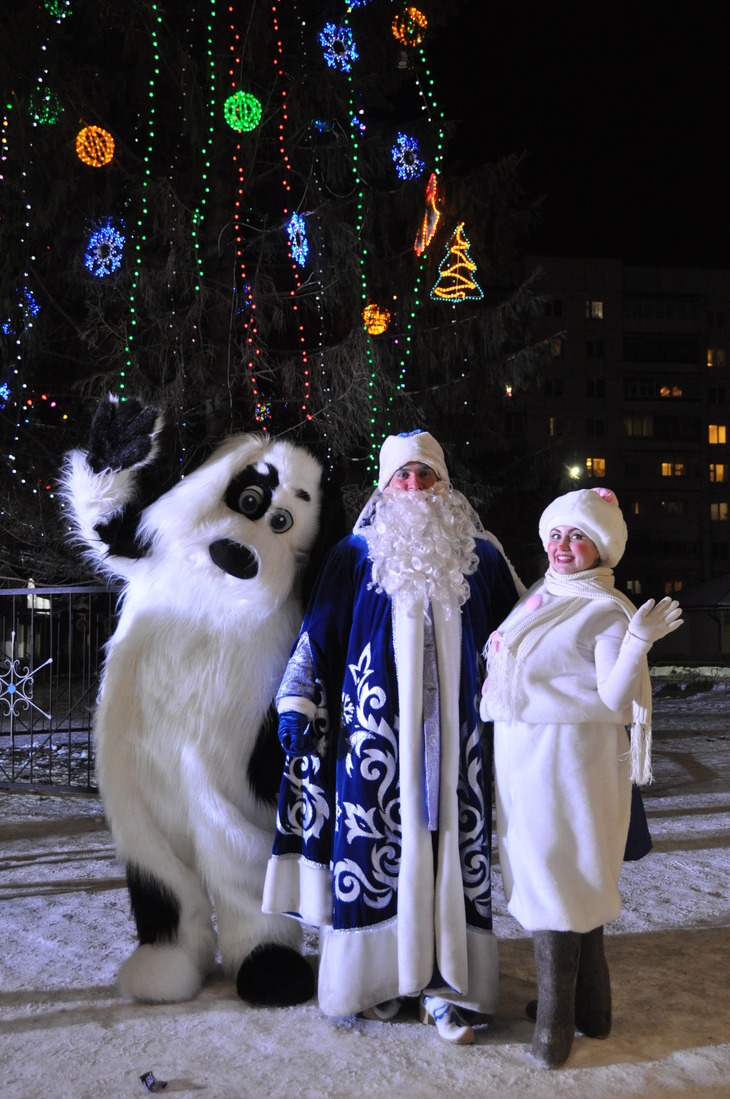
(250, 500)
(279, 521)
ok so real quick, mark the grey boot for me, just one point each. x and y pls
(556, 963)
(593, 987)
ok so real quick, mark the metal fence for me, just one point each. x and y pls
(50, 663)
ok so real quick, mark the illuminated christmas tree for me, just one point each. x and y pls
(233, 211)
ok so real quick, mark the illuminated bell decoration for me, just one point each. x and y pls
(95, 146)
(242, 111)
(455, 282)
(338, 46)
(104, 251)
(405, 153)
(430, 219)
(409, 26)
(298, 239)
(376, 319)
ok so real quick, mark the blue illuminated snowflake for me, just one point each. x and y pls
(104, 251)
(298, 239)
(4, 394)
(406, 157)
(338, 46)
(7, 327)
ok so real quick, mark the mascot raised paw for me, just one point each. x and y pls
(187, 754)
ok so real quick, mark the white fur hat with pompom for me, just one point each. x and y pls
(595, 511)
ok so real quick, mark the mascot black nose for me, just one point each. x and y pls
(233, 558)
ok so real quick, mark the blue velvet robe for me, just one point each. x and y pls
(337, 852)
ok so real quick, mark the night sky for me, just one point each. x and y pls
(624, 111)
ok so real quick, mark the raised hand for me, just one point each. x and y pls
(122, 434)
(653, 621)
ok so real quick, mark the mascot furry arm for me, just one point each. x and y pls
(187, 754)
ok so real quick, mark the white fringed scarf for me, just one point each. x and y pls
(507, 648)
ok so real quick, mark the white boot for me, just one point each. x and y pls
(449, 1023)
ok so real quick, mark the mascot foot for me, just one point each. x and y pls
(159, 973)
(275, 975)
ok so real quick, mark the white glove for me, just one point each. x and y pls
(652, 622)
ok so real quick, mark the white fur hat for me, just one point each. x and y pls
(595, 511)
(412, 446)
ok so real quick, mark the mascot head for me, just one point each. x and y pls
(240, 527)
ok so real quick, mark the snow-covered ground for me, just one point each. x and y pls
(65, 928)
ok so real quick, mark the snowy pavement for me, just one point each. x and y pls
(65, 928)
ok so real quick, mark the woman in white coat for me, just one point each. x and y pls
(566, 673)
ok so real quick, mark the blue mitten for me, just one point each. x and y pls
(295, 734)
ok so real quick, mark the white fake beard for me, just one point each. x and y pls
(422, 546)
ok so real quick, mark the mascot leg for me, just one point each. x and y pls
(261, 951)
(172, 912)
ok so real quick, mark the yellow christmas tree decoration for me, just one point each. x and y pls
(455, 282)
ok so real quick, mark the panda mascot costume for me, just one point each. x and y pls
(188, 758)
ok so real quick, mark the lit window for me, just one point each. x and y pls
(670, 391)
(718, 473)
(633, 587)
(715, 356)
(556, 347)
(672, 586)
(552, 427)
(594, 310)
(718, 512)
(717, 434)
(595, 467)
(672, 469)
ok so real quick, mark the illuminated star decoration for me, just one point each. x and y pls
(455, 282)
(242, 111)
(104, 251)
(431, 217)
(298, 239)
(406, 158)
(338, 46)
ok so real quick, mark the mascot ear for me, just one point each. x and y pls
(332, 527)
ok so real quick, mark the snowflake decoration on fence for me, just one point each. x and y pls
(298, 239)
(18, 691)
(104, 251)
(338, 46)
(406, 157)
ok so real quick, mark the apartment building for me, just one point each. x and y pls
(636, 397)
